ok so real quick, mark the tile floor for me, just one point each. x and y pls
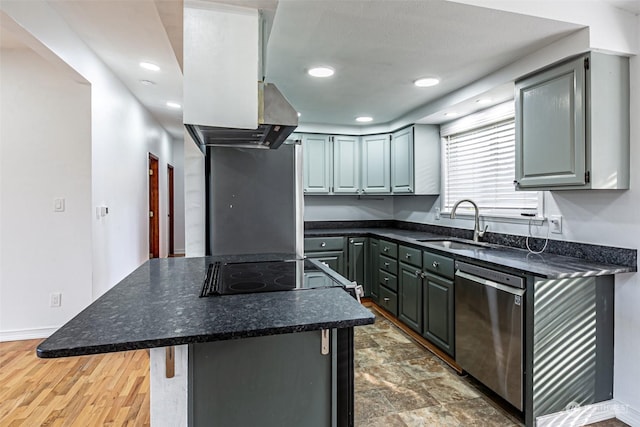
(400, 384)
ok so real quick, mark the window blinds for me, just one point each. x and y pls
(479, 165)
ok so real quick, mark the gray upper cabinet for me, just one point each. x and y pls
(402, 161)
(376, 177)
(572, 125)
(331, 164)
(317, 164)
(346, 164)
(415, 160)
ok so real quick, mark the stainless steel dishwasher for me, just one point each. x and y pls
(489, 322)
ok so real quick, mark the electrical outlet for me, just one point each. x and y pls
(58, 204)
(555, 222)
(55, 299)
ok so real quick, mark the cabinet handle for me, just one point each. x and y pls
(386, 300)
(351, 241)
(385, 249)
(435, 264)
(418, 273)
(408, 256)
(386, 279)
(386, 264)
(323, 244)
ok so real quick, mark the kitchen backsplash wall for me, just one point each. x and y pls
(347, 208)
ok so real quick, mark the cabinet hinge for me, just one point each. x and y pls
(586, 63)
(587, 177)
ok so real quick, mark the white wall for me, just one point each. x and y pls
(194, 199)
(122, 135)
(177, 148)
(45, 153)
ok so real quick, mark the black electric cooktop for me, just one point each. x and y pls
(227, 278)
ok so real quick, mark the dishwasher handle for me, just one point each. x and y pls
(486, 282)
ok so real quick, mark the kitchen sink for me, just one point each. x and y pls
(456, 244)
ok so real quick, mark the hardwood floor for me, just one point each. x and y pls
(100, 390)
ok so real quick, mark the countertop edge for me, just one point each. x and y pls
(194, 339)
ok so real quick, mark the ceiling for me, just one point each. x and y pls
(377, 47)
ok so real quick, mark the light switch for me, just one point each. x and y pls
(58, 205)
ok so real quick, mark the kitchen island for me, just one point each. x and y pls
(159, 305)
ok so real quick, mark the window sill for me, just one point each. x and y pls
(493, 217)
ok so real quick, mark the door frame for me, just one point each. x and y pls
(154, 206)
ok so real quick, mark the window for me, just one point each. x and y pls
(479, 161)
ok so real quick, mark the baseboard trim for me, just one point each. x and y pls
(26, 334)
(590, 414)
(629, 415)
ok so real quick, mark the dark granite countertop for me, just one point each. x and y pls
(543, 265)
(158, 305)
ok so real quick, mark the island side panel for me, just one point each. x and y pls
(572, 343)
(169, 395)
(270, 381)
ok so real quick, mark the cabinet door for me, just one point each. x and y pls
(402, 173)
(550, 128)
(376, 177)
(346, 164)
(438, 312)
(410, 296)
(334, 259)
(357, 262)
(316, 151)
(372, 281)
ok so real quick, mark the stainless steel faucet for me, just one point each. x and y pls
(477, 234)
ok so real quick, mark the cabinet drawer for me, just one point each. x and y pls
(314, 244)
(438, 264)
(389, 301)
(388, 249)
(388, 264)
(388, 280)
(410, 256)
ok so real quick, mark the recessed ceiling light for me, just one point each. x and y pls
(426, 82)
(299, 114)
(364, 119)
(484, 101)
(147, 82)
(172, 104)
(321, 72)
(149, 66)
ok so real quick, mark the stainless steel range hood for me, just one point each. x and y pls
(276, 120)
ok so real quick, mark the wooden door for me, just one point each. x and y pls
(170, 192)
(154, 205)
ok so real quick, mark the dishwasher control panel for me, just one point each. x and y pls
(493, 275)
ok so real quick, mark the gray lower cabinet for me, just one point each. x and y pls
(330, 250)
(357, 260)
(334, 259)
(410, 296)
(438, 312)
(388, 276)
(410, 287)
(438, 302)
(372, 281)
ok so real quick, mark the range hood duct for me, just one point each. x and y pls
(277, 119)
